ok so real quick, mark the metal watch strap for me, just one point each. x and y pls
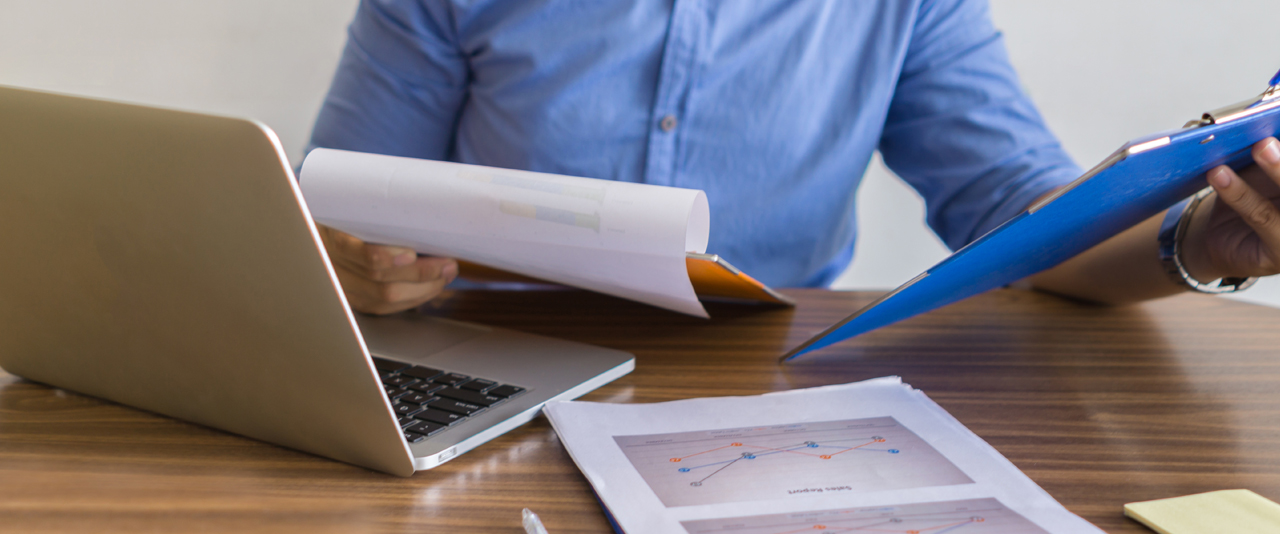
(1172, 231)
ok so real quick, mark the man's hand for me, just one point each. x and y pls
(1233, 233)
(381, 279)
(1240, 235)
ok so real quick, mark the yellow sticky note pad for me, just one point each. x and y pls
(1217, 512)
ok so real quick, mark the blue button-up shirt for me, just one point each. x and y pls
(774, 108)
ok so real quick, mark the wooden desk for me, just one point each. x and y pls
(1099, 406)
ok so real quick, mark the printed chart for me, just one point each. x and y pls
(977, 516)
(780, 461)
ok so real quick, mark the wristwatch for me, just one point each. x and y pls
(1172, 231)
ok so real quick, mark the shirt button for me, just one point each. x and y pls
(668, 123)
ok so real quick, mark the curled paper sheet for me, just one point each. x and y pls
(622, 239)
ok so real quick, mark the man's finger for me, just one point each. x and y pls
(423, 269)
(430, 268)
(399, 296)
(1266, 154)
(1255, 210)
(367, 296)
(363, 257)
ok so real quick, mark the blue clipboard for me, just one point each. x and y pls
(1141, 179)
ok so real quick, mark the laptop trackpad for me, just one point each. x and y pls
(411, 336)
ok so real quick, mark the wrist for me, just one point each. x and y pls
(1194, 249)
(1176, 234)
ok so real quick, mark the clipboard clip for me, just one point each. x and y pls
(1267, 100)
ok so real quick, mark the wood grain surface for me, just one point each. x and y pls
(1100, 406)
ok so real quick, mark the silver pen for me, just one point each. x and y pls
(532, 525)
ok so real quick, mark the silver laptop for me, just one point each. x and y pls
(165, 260)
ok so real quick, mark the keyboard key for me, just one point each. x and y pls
(481, 385)
(385, 375)
(458, 407)
(406, 421)
(399, 381)
(470, 397)
(505, 391)
(413, 437)
(439, 416)
(424, 373)
(405, 409)
(451, 379)
(388, 365)
(415, 397)
(426, 428)
(427, 387)
(393, 392)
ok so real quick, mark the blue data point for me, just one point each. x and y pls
(893, 451)
(684, 469)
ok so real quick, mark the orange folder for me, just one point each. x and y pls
(713, 278)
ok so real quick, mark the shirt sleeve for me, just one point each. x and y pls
(400, 83)
(961, 131)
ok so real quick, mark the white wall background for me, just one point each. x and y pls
(1102, 71)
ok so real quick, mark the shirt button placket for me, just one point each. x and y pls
(673, 85)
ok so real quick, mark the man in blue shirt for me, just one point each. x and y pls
(774, 108)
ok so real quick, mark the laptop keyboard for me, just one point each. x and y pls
(429, 401)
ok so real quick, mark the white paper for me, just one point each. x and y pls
(618, 238)
(874, 455)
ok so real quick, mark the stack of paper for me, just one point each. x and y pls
(618, 238)
(875, 456)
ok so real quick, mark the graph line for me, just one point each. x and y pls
(790, 449)
(699, 483)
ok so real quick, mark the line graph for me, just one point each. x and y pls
(776, 461)
(974, 516)
(753, 454)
